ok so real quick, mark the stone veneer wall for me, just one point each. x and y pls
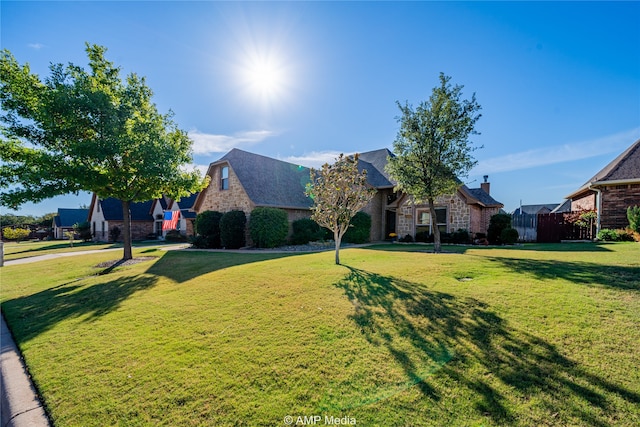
(458, 214)
(216, 199)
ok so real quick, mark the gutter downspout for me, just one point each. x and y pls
(598, 206)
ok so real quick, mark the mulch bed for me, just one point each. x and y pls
(119, 262)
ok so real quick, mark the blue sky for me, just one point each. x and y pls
(559, 82)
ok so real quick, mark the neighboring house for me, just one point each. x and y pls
(535, 209)
(187, 215)
(66, 219)
(243, 181)
(106, 215)
(612, 190)
(146, 217)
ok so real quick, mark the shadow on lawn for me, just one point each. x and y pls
(488, 354)
(184, 265)
(32, 315)
(574, 271)
(460, 249)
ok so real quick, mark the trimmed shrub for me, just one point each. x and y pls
(424, 237)
(461, 236)
(633, 215)
(207, 227)
(114, 233)
(509, 236)
(497, 223)
(407, 239)
(359, 230)
(16, 234)
(268, 227)
(174, 236)
(306, 230)
(609, 235)
(232, 229)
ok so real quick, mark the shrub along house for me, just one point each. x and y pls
(243, 181)
(612, 190)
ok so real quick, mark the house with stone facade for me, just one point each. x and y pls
(612, 190)
(146, 217)
(243, 181)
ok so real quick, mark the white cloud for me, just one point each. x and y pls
(558, 154)
(205, 143)
(314, 159)
(36, 46)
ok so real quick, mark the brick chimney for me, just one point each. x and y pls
(486, 186)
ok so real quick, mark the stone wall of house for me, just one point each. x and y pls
(458, 214)
(616, 199)
(216, 199)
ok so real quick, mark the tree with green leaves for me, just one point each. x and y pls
(432, 148)
(338, 192)
(81, 130)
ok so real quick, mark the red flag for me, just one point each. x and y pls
(170, 220)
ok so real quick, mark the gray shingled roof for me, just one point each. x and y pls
(270, 182)
(535, 209)
(69, 217)
(378, 160)
(482, 196)
(625, 167)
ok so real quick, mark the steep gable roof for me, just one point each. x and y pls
(268, 181)
(112, 210)
(624, 168)
(378, 159)
(69, 217)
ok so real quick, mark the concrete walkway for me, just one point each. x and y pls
(20, 406)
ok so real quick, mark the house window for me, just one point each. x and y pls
(423, 219)
(224, 178)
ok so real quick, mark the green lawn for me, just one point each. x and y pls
(530, 336)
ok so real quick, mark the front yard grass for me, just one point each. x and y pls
(527, 336)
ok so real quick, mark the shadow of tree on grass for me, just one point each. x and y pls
(495, 362)
(574, 271)
(30, 316)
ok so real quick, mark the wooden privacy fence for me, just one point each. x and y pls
(555, 227)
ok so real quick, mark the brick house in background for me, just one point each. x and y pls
(66, 219)
(146, 217)
(243, 181)
(612, 190)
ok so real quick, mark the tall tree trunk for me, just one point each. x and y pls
(437, 247)
(126, 230)
(337, 237)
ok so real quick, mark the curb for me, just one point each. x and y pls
(19, 403)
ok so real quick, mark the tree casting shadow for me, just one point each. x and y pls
(436, 324)
(30, 316)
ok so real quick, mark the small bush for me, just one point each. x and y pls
(633, 215)
(268, 227)
(424, 237)
(509, 236)
(497, 223)
(114, 234)
(174, 236)
(306, 230)
(207, 227)
(232, 229)
(461, 236)
(407, 239)
(359, 230)
(609, 235)
(83, 230)
(16, 234)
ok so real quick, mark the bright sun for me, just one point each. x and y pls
(265, 78)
